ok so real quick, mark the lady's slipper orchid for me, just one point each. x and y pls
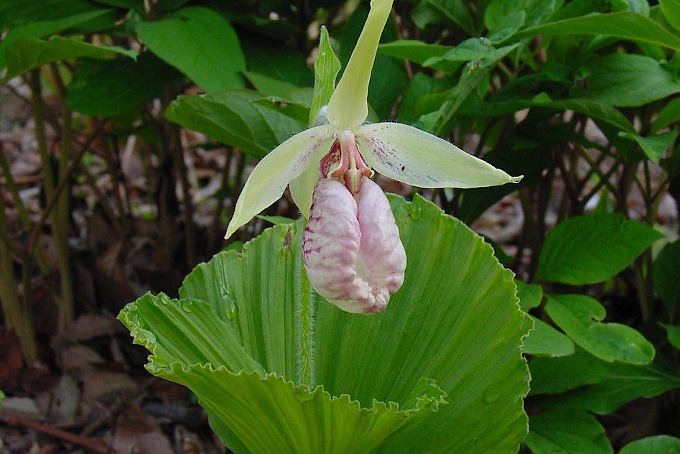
(351, 246)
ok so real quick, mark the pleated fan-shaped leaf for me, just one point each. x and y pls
(278, 369)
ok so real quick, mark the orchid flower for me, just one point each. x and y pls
(351, 246)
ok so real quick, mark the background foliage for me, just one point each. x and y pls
(136, 173)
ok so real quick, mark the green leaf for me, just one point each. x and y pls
(634, 6)
(530, 295)
(593, 108)
(234, 117)
(673, 334)
(592, 248)
(544, 340)
(671, 11)
(656, 444)
(134, 5)
(474, 75)
(626, 80)
(269, 85)
(15, 13)
(279, 369)
(421, 86)
(507, 26)
(455, 11)
(277, 220)
(41, 29)
(654, 147)
(665, 274)
(497, 11)
(587, 383)
(413, 50)
(200, 43)
(668, 115)
(564, 432)
(580, 317)
(276, 61)
(473, 49)
(294, 111)
(326, 68)
(623, 25)
(26, 53)
(114, 87)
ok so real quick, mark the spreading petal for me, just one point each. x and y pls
(273, 173)
(348, 107)
(351, 248)
(302, 187)
(415, 157)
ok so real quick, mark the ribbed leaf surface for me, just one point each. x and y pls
(280, 370)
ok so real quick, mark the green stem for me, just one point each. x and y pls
(58, 216)
(17, 316)
(190, 231)
(40, 257)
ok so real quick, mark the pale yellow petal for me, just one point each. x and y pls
(415, 157)
(269, 178)
(302, 187)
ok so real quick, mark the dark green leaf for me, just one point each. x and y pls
(41, 29)
(454, 11)
(626, 80)
(665, 275)
(278, 62)
(595, 385)
(634, 6)
(530, 295)
(593, 108)
(412, 50)
(277, 220)
(114, 87)
(18, 12)
(671, 11)
(200, 43)
(235, 118)
(592, 248)
(544, 340)
(270, 86)
(660, 444)
(668, 115)
(295, 111)
(26, 53)
(410, 108)
(563, 431)
(473, 49)
(134, 5)
(580, 317)
(673, 334)
(507, 27)
(623, 25)
(654, 147)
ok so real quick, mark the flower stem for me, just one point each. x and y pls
(305, 323)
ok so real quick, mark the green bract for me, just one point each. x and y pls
(280, 370)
